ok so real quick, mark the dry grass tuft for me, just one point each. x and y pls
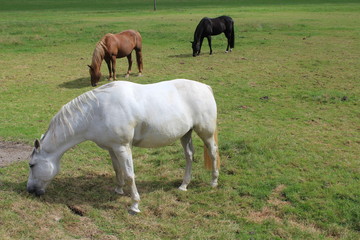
(272, 213)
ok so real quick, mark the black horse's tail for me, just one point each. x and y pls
(232, 37)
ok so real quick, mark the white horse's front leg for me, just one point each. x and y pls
(186, 142)
(124, 158)
(119, 174)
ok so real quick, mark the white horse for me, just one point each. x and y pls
(122, 114)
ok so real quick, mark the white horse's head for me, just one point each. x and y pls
(43, 168)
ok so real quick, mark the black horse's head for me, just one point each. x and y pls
(196, 48)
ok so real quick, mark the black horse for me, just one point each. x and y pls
(213, 26)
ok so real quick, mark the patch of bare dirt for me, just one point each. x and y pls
(11, 152)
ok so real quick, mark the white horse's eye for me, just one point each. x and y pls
(31, 165)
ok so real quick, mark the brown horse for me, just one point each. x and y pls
(113, 46)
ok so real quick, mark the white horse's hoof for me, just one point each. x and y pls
(183, 188)
(226, 51)
(134, 209)
(214, 184)
(133, 212)
(119, 190)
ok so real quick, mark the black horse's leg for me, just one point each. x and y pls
(108, 63)
(228, 35)
(228, 45)
(209, 40)
(201, 41)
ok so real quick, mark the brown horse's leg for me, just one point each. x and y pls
(113, 66)
(139, 61)
(108, 63)
(130, 64)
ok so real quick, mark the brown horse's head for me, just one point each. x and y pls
(95, 76)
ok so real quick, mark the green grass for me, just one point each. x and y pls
(290, 161)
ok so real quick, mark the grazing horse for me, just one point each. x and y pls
(213, 26)
(119, 115)
(113, 46)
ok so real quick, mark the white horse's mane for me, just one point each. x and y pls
(65, 117)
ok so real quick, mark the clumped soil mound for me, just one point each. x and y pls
(11, 152)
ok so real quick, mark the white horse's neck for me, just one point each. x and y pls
(57, 146)
(67, 127)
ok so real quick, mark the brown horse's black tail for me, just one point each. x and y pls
(232, 37)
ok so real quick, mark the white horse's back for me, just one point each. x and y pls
(156, 114)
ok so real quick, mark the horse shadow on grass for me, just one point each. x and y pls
(77, 83)
(183, 55)
(96, 190)
(85, 81)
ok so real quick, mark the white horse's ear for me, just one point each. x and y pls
(42, 136)
(37, 144)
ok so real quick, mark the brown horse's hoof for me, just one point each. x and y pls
(140, 75)
(127, 75)
(111, 79)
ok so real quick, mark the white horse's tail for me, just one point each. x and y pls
(207, 158)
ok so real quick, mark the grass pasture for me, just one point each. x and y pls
(288, 115)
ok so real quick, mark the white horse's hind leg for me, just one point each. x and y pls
(124, 157)
(186, 142)
(119, 173)
(211, 145)
(212, 149)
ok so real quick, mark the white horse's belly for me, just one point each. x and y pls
(157, 136)
(153, 142)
